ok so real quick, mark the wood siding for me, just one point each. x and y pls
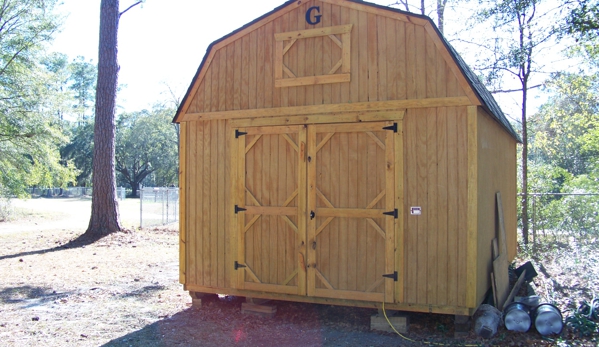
(435, 179)
(391, 59)
(496, 173)
(207, 191)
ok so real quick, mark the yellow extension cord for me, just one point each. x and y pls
(414, 341)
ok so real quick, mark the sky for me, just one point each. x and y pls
(162, 43)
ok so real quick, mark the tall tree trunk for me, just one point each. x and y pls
(105, 213)
(524, 165)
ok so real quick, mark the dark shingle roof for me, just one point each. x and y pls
(486, 98)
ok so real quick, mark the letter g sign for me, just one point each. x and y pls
(317, 16)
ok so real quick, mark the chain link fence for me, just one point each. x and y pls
(562, 216)
(71, 192)
(158, 206)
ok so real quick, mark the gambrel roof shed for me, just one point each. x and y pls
(341, 152)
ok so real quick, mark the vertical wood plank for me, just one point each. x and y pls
(301, 62)
(462, 205)
(292, 60)
(472, 228)
(363, 47)
(400, 190)
(410, 62)
(183, 195)
(237, 78)
(214, 193)
(343, 94)
(198, 101)
(208, 89)
(317, 92)
(372, 57)
(372, 190)
(352, 223)
(392, 64)
(354, 88)
(431, 67)
(206, 135)
(260, 67)
(311, 200)
(232, 227)
(222, 80)
(222, 201)
(383, 52)
(420, 47)
(327, 64)
(194, 221)
(240, 184)
(273, 238)
(261, 243)
(230, 76)
(302, 240)
(215, 69)
(421, 165)
(282, 193)
(442, 205)
(432, 193)
(343, 201)
(245, 73)
(364, 193)
(277, 61)
(253, 68)
(390, 205)
(335, 229)
(269, 90)
(411, 186)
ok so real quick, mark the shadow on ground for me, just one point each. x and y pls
(219, 322)
(81, 241)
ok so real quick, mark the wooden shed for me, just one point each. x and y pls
(341, 152)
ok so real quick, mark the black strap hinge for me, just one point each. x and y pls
(393, 276)
(239, 133)
(394, 213)
(239, 209)
(237, 265)
(391, 127)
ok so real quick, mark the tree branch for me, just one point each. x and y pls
(130, 7)
(514, 90)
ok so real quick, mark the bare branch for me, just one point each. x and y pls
(130, 7)
(514, 90)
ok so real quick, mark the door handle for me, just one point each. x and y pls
(312, 214)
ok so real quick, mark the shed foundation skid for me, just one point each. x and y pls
(346, 159)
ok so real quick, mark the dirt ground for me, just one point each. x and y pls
(123, 290)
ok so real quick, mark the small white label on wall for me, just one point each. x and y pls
(415, 210)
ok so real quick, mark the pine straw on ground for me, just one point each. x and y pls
(123, 290)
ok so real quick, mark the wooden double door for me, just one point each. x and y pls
(316, 209)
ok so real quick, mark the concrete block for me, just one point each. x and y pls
(399, 321)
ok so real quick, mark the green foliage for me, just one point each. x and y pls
(83, 75)
(79, 151)
(583, 20)
(30, 130)
(581, 324)
(564, 133)
(146, 148)
(564, 145)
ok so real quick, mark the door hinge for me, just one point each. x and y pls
(239, 133)
(394, 213)
(237, 265)
(239, 209)
(393, 276)
(391, 127)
